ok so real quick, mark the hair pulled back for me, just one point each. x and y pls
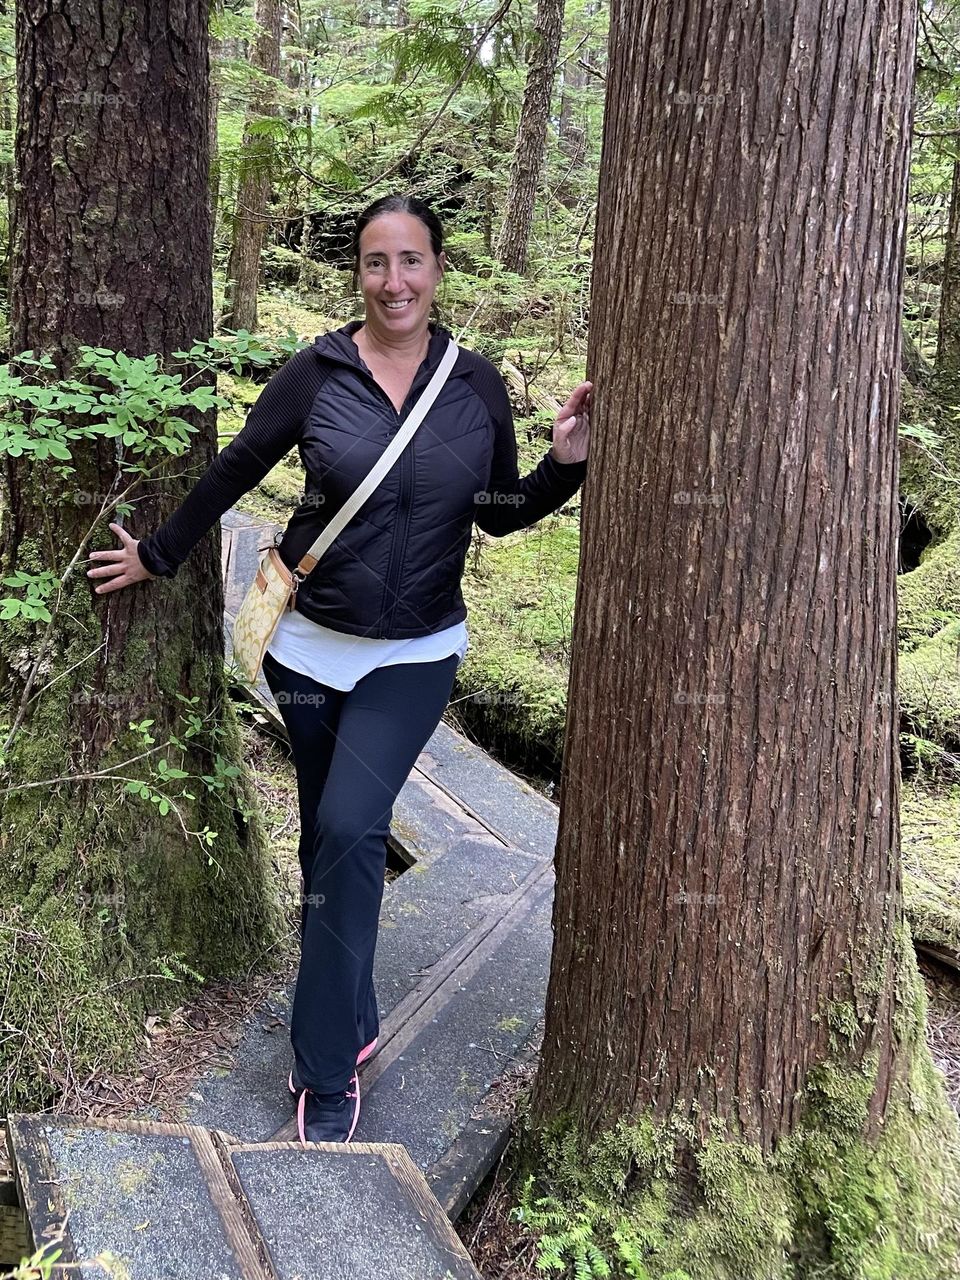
(396, 203)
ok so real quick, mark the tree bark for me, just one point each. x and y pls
(253, 190)
(494, 152)
(105, 904)
(294, 67)
(212, 126)
(734, 1063)
(948, 332)
(531, 138)
(727, 862)
(572, 136)
(8, 192)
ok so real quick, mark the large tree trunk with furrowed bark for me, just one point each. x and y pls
(106, 900)
(729, 932)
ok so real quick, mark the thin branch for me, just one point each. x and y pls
(572, 54)
(87, 777)
(592, 70)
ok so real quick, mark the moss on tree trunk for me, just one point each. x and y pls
(111, 904)
(657, 1203)
(108, 908)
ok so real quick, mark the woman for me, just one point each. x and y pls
(363, 668)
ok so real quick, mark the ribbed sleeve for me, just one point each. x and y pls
(272, 429)
(513, 503)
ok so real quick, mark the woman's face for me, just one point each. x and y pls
(399, 274)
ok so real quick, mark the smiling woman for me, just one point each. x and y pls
(363, 665)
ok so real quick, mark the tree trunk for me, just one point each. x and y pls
(494, 153)
(215, 51)
(531, 138)
(948, 332)
(105, 903)
(299, 73)
(311, 37)
(732, 976)
(8, 191)
(253, 189)
(913, 363)
(572, 136)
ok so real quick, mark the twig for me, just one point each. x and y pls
(86, 777)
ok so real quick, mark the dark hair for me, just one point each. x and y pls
(396, 204)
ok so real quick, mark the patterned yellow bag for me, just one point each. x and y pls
(274, 588)
(273, 592)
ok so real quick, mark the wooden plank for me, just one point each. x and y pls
(239, 1223)
(38, 1188)
(230, 1145)
(63, 1171)
(462, 805)
(373, 1211)
(439, 1225)
(443, 982)
(456, 1176)
(432, 1239)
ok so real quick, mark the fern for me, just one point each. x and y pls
(563, 1240)
(922, 433)
(339, 173)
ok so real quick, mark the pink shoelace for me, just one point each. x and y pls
(302, 1104)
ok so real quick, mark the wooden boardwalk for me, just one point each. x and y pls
(462, 959)
(461, 974)
(179, 1202)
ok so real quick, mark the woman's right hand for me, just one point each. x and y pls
(124, 566)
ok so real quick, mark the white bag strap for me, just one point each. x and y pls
(386, 461)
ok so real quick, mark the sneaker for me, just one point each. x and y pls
(294, 1086)
(326, 1117)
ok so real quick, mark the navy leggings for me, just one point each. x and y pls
(353, 752)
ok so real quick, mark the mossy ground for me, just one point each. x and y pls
(930, 844)
(928, 597)
(929, 688)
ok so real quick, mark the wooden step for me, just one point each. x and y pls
(181, 1202)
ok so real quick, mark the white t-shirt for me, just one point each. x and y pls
(340, 660)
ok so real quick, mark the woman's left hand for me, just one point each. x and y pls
(571, 431)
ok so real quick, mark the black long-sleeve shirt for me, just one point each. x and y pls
(274, 426)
